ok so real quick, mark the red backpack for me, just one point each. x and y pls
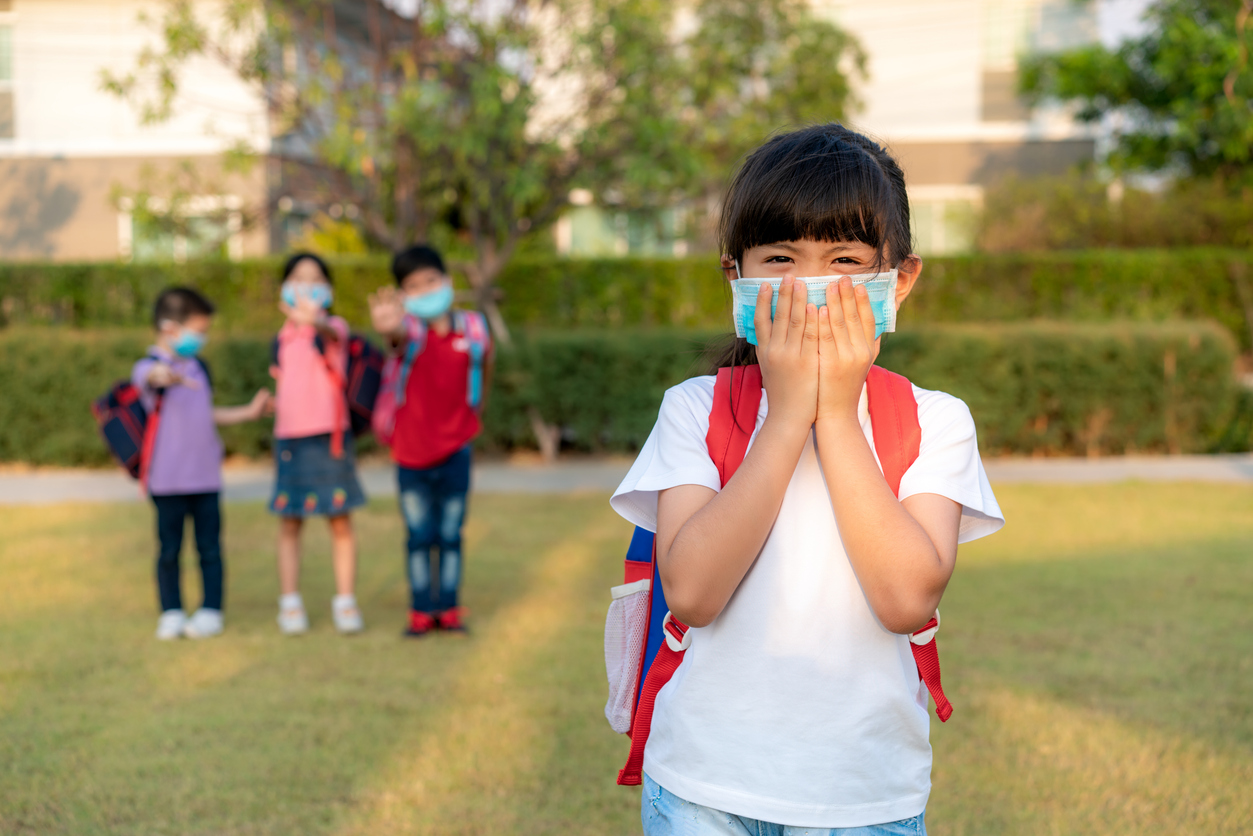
(645, 643)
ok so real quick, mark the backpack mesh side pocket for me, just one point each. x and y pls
(626, 628)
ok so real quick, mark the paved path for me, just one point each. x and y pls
(253, 483)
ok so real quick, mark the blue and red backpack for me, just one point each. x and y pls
(470, 325)
(128, 429)
(645, 643)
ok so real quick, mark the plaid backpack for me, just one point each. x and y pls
(645, 643)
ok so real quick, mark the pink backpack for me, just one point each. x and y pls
(468, 324)
(645, 643)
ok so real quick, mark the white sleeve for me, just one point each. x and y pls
(948, 464)
(675, 453)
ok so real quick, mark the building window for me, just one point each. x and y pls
(204, 227)
(1012, 28)
(942, 218)
(8, 123)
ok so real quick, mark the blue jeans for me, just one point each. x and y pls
(206, 516)
(665, 814)
(433, 503)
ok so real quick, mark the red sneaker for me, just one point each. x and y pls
(420, 623)
(451, 620)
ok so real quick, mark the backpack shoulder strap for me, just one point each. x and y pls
(894, 422)
(737, 397)
(897, 440)
(204, 367)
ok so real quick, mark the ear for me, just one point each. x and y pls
(907, 273)
(728, 267)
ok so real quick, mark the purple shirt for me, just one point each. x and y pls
(187, 453)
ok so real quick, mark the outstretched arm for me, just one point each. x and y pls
(707, 540)
(251, 411)
(902, 552)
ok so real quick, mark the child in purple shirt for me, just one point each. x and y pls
(185, 470)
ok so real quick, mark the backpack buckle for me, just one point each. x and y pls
(927, 634)
(678, 635)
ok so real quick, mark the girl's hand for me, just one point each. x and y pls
(787, 350)
(846, 349)
(305, 312)
(387, 311)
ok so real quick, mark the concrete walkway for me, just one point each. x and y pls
(42, 487)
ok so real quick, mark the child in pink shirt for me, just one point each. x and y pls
(313, 444)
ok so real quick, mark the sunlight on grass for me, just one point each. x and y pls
(1097, 652)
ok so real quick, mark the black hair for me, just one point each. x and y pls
(824, 183)
(177, 304)
(417, 257)
(296, 258)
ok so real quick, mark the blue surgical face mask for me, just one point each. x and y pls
(320, 294)
(188, 343)
(880, 288)
(432, 304)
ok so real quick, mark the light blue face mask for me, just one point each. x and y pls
(320, 294)
(432, 304)
(880, 287)
(188, 343)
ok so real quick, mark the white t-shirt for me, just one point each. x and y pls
(795, 706)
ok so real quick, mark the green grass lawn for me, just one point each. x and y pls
(1098, 651)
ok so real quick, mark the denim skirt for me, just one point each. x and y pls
(311, 482)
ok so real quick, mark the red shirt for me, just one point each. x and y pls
(435, 421)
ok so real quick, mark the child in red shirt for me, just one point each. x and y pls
(436, 419)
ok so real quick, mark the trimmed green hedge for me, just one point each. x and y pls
(1034, 388)
(1090, 285)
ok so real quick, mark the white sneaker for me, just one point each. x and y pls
(346, 614)
(292, 620)
(203, 624)
(170, 625)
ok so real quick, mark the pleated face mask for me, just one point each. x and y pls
(880, 288)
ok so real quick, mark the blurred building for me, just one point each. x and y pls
(71, 153)
(941, 93)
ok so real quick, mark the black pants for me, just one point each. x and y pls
(206, 516)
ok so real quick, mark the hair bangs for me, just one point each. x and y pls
(814, 184)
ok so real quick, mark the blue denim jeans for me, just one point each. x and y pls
(433, 502)
(665, 814)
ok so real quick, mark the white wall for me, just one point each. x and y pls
(60, 50)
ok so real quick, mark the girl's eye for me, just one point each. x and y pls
(778, 259)
(844, 259)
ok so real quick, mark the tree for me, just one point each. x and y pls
(484, 114)
(1181, 95)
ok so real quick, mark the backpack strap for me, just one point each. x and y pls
(473, 327)
(732, 420)
(737, 397)
(897, 440)
(415, 343)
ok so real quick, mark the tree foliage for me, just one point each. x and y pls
(1180, 96)
(480, 116)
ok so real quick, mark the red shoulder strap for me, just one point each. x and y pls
(897, 438)
(894, 421)
(737, 396)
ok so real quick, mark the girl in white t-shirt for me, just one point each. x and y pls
(798, 706)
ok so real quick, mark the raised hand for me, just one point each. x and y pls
(787, 350)
(387, 311)
(846, 349)
(163, 376)
(305, 312)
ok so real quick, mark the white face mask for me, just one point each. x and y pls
(880, 287)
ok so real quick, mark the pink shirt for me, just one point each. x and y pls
(308, 399)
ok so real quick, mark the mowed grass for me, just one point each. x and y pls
(1098, 651)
